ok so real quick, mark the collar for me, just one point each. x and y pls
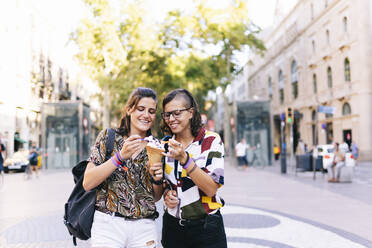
(200, 135)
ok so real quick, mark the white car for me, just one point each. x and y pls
(17, 162)
(327, 152)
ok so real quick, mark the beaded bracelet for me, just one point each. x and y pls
(119, 162)
(118, 154)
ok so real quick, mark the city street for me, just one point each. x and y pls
(265, 79)
(264, 209)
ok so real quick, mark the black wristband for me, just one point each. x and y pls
(187, 159)
(152, 180)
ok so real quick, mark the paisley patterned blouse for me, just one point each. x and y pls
(130, 192)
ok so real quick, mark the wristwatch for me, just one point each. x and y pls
(152, 180)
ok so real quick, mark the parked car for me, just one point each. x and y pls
(17, 162)
(327, 152)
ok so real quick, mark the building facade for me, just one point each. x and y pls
(319, 55)
(35, 68)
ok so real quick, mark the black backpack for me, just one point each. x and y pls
(80, 206)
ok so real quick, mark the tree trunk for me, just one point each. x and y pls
(106, 109)
(227, 129)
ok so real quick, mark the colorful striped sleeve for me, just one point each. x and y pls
(215, 157)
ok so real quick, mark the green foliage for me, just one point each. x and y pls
(122, 51)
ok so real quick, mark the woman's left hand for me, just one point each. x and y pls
(156, 171)
(176, 151)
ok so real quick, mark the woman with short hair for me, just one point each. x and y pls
(194, 170)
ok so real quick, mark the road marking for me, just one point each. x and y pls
(290, 232)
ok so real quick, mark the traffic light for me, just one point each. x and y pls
(289, 115)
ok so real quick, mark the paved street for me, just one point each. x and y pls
(264, 209)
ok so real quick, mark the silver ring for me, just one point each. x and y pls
(179, 144)
(180, 222)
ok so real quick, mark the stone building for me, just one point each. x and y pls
(319, 54)
(35, 68)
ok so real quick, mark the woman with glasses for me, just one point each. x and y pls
(126, 188)
(194, 170)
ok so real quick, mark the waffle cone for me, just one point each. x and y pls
(155, 154)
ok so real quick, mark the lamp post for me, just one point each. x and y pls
(283, 162)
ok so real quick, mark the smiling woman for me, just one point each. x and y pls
(194, 169)
(126, 192)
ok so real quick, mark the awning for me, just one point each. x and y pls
(19, 140)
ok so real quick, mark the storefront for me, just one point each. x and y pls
(65, 133)
(253, 124)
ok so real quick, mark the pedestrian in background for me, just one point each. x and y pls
(2, 156)
(126, 188)
(337, 163)
(300, 150)
(276, 152)
(241, 153)
(33, 160)
(344, 147)
(355, 151)
(194, 169)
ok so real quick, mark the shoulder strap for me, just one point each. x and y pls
(110, 142)
(166, 138)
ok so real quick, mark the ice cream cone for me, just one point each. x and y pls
(155, 154)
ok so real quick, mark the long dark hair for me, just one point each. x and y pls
(136, 95)
(195, 121)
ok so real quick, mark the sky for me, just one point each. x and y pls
(261, 12)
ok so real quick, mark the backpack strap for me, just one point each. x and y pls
(110, 143)
(166, 138)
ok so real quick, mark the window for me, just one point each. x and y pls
(312, 11)
(313, 45)
(347, 70)
(281, 87)
(294, 79)
(346, 109)
(270, 88)
(328, 115)
(313, 129)
(327, 36)
(315, 88)
(325, 3)
(329, 77)
(60, 84)
(345, 24)
(313, 115)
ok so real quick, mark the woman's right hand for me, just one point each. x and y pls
(131, 145)
(171, 199)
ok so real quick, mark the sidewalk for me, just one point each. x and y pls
(263, 209)
(359, 189)
(345, 206)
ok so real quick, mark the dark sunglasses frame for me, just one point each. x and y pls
(163, 114)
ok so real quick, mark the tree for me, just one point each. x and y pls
(121, 51)
(228, 29)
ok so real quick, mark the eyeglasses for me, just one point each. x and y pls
(176, 113)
